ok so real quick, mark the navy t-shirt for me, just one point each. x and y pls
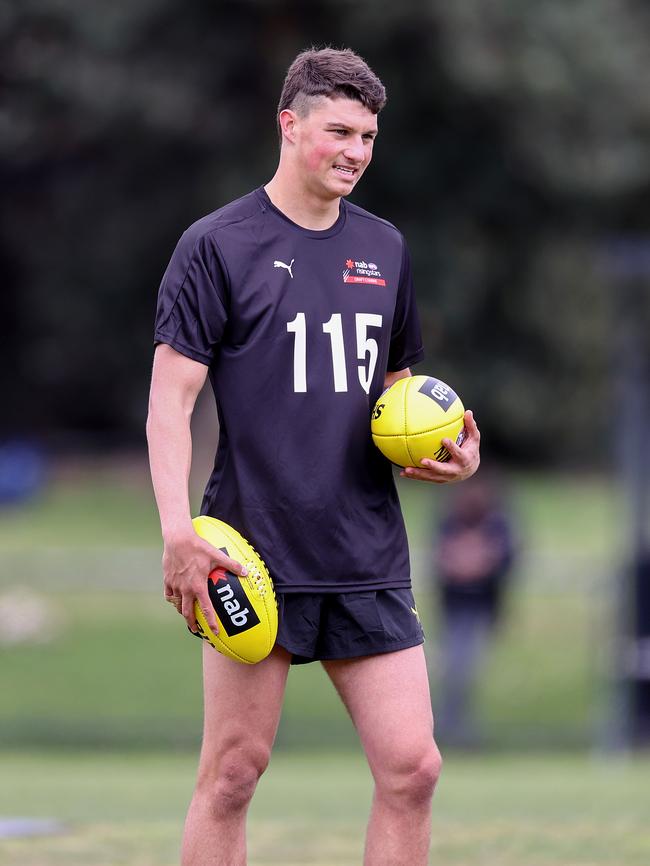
(298, 329)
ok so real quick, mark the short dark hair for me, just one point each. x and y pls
(329, 72)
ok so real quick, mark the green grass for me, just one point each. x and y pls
(90, 548)
(123, 670)
(92, 509)
(115, 506)
(117, 692)
(311, 809)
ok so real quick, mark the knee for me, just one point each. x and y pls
(410, 782)
(229, 784)
(420, 782)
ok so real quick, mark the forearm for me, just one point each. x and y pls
(170, 458)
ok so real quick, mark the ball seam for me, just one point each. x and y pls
(406, 435)
(412, 435)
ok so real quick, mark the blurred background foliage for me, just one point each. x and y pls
(516, 141)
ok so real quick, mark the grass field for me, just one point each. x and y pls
(97, 720)
(127, 810)
(89, 549)
(123, 672)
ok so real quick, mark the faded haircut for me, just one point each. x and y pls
(319, 72)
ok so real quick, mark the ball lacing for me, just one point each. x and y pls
(260, 583)
(256, 577)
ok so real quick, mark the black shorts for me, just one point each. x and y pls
(322, 626)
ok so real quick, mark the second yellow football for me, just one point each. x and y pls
(245, 607)
(413, 416)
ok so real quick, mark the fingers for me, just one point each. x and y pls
(198, 595)
(433, 471)
(464, 458)
(184, 599)
(187, 610)
(471, 426)
(455, 451)
(186, 569)
(176, 600)
(461, 453)
(207, 608)
(229, 564)
(219, 559)
(185, 606)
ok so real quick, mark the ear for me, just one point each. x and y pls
(288, 120)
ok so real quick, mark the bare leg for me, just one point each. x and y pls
(387, 697)
(241, 715)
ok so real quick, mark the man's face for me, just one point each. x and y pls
(333, 145)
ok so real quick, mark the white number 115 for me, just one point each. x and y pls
(367, 350)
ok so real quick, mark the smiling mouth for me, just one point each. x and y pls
(346, 170)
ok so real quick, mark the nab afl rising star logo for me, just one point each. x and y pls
(230, 601)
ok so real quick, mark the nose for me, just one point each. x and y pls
(354, 150)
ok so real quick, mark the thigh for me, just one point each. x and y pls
(242, 703)
(388, 699)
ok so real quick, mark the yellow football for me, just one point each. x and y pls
(245, 607)
(413, 416)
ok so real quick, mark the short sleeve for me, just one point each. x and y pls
(192, 308)
(406, 336)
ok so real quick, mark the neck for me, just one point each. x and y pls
(303, 206)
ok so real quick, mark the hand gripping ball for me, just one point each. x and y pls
(245, 607)
(413, 416)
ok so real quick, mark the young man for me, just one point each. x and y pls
(300, 308)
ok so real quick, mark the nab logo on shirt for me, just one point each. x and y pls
(230, 601)
(364, 272)
(439, 392)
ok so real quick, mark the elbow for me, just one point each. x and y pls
(148, 425)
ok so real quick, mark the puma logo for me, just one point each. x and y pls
(277, 264)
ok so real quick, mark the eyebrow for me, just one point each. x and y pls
(339, 125)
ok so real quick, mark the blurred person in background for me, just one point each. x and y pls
(473, 558)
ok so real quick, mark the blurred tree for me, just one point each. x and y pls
(118, 116)
(566, 83)
(570, 80)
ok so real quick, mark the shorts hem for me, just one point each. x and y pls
(388, 648)
(339, 589)
(393, 647)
